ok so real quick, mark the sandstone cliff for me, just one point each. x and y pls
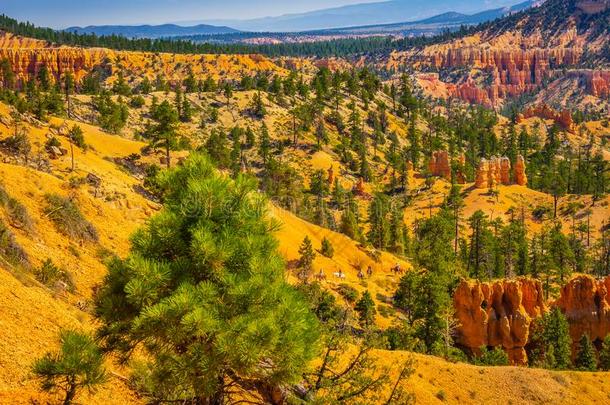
(498, 170)
(498, 314)
(28, 56)
(586, 304)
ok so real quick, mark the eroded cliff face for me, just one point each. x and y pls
(498, 170)
(500, 314)
(518, 56)
(28, 56)
(586, 305)
(562, 118)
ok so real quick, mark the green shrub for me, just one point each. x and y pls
(348, 292)
(50, 275)
(17, 213)
(137, 102)
(77, 137)
(327, 249)
(495, 357)
(18, 144)
(78, 365)
(10, 250)
(52, 142)
(68, 219)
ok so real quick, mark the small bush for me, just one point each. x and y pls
(541, 212)
(348, 292)
(77, 137)
(17, 213)
(52, 142)
(51, 275)
(137, 102)
(10, 250)
(68, 219)
(327, 249)
(18, 144)
(495, 357)
(441, 395)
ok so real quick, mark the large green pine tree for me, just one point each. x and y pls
(203, 297)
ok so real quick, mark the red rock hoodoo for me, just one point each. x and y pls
(586, 304)
(498, 314)
(562, 118)
(439, 164)
(497, 170)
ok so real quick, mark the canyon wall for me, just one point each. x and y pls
(562, 118)
(500, 314)
(586, 304)
(497, 170)
(28, 56)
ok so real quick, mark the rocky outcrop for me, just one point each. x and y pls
(520, 176)
(500, 314)
(497, 170)
(27, 57)
(497, 315)
(586, 304)
(439, 164)
(562, 118)
(331, 175)
(597, 82)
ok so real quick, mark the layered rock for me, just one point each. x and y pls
(439, 164)
(586, 304)
(497, 170)
(27, 57)
(498, 315)
(597, 82)
(520, 176)
(562, 118)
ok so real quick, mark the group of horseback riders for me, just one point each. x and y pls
(361, 274)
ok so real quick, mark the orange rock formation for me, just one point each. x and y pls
(439, 164)
(331, 175)
(586, 304)
(498, 314)
(28, 56)
(562, 118)
(497, 170)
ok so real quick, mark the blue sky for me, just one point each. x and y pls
(64, 13)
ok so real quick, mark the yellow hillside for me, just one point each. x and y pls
(31, 314)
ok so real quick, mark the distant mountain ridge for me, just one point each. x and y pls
(442, 21)
(152, 31)
(386, 12)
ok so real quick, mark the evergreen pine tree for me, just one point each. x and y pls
(264, 147)
(163, 132)
(327, 249)
(77, 365)
(378, 234)
(585, 359)
(604, 355)
(365, 308)
(306, 258)
(202, 297)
